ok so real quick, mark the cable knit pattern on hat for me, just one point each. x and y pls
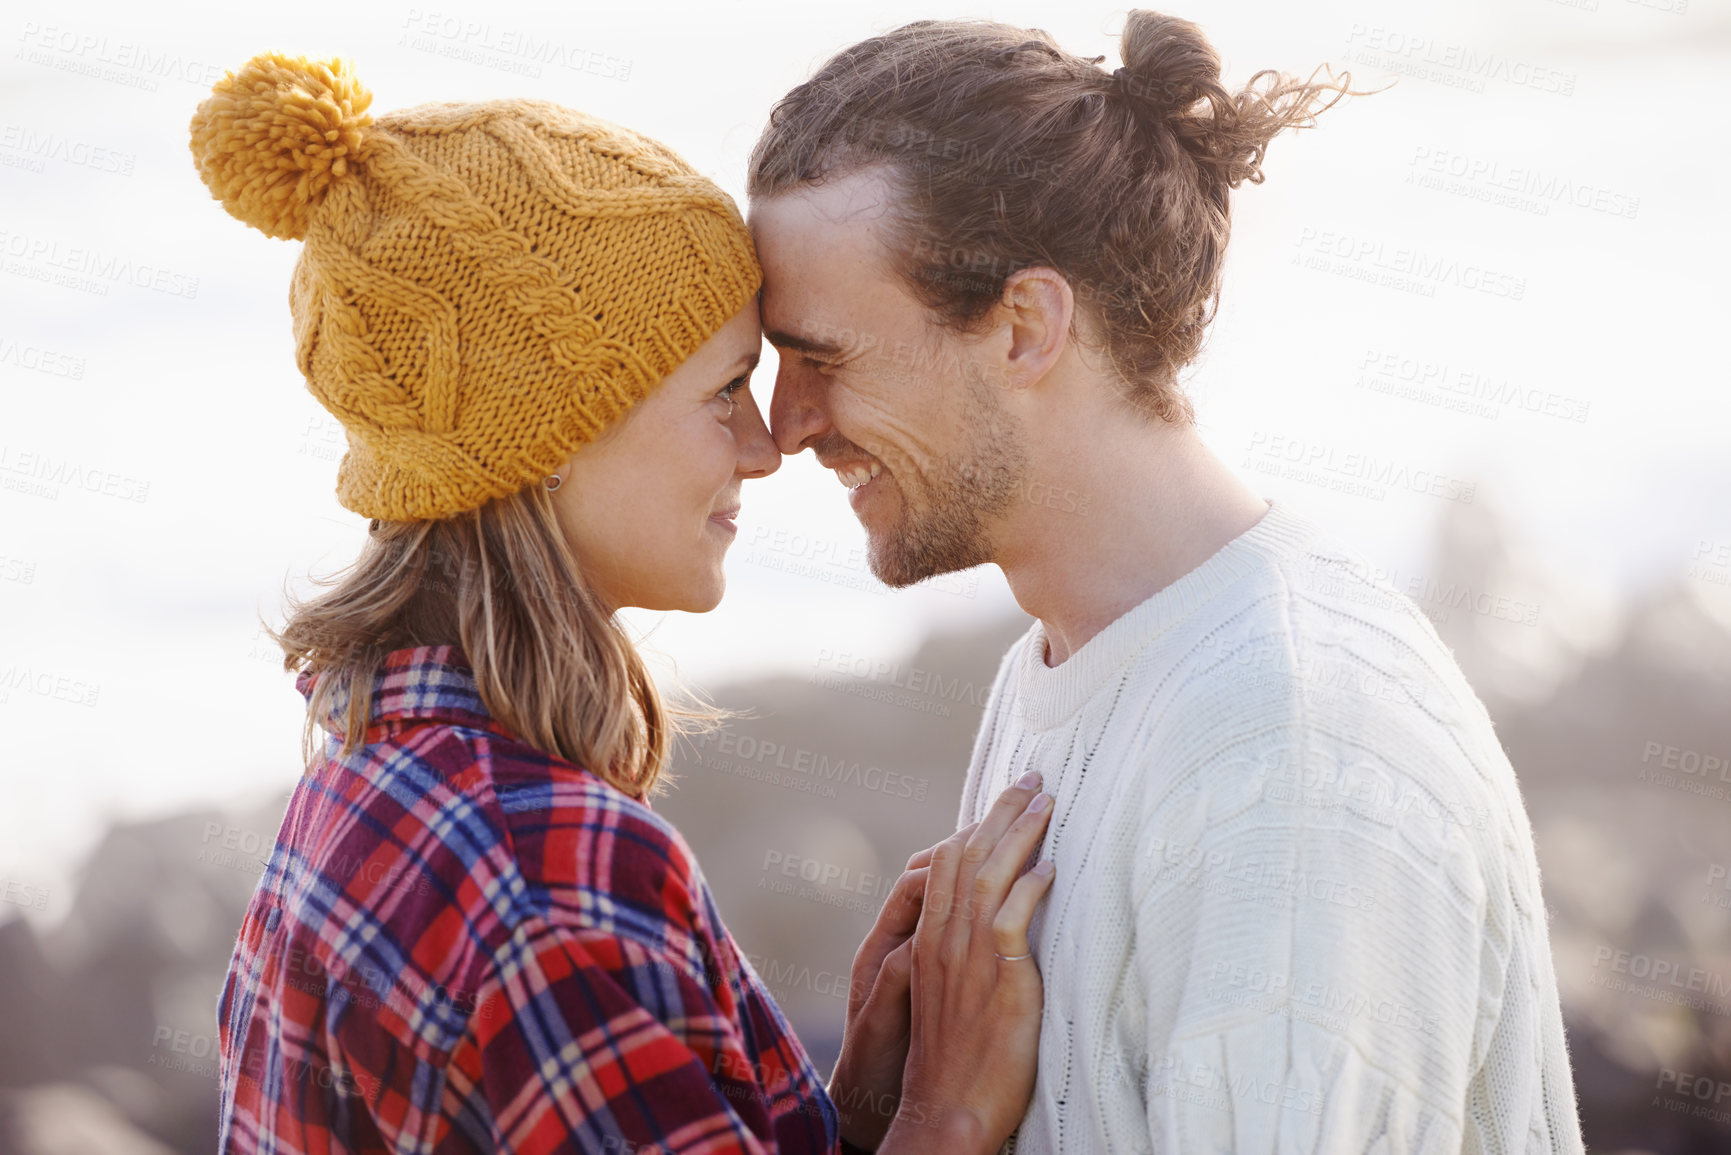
(483, 287)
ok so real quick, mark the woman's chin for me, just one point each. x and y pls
(694, 591)
(698, 596)
(710, 600)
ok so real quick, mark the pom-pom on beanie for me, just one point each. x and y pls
(482, 287)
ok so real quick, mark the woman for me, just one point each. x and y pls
(474, 934)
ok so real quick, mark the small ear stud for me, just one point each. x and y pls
(553, 483)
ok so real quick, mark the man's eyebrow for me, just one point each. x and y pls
(801, 344)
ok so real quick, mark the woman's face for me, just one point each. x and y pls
(649, 506)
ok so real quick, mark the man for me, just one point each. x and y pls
(1297, 905)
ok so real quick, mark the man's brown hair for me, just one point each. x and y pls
(1007, 152)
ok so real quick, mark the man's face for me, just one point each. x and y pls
(903, 409)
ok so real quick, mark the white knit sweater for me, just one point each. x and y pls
(1297, 906)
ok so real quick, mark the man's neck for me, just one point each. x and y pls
(1147, 504)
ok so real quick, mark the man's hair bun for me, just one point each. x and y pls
(271, 138)
(1169, 61)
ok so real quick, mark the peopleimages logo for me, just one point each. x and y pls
(23, 894)
(1527, 187)
(826, 883)
(1386, 371)
(1690, 771)
(1711, 562)
(39, 147)
(1717, 873)
(86, 268)
(1189, 864)
(39, 359)
(1454, 65)
(1400, 266)
(16, 676)
(745, 752)
(1358, 581)
(1353, 473)
(47, 472)
(912, 687)
(104, 58)
(830, 874)
(1664, 977)
(507, 49)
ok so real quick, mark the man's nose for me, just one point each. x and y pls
(798, 413)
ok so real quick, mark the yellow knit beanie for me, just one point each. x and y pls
(482, 287)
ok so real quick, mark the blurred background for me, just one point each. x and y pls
(1505, 271)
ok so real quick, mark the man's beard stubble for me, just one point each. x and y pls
(944, 512)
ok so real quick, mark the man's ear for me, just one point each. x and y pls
(1037, 307)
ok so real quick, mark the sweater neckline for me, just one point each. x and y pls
(1047, 695)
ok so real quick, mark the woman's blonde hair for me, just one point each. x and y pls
(552, 664)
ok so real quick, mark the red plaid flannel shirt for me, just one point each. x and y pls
(462, 944)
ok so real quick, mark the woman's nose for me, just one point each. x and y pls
(758, 456)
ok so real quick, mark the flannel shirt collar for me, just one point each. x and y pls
(426, 682)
